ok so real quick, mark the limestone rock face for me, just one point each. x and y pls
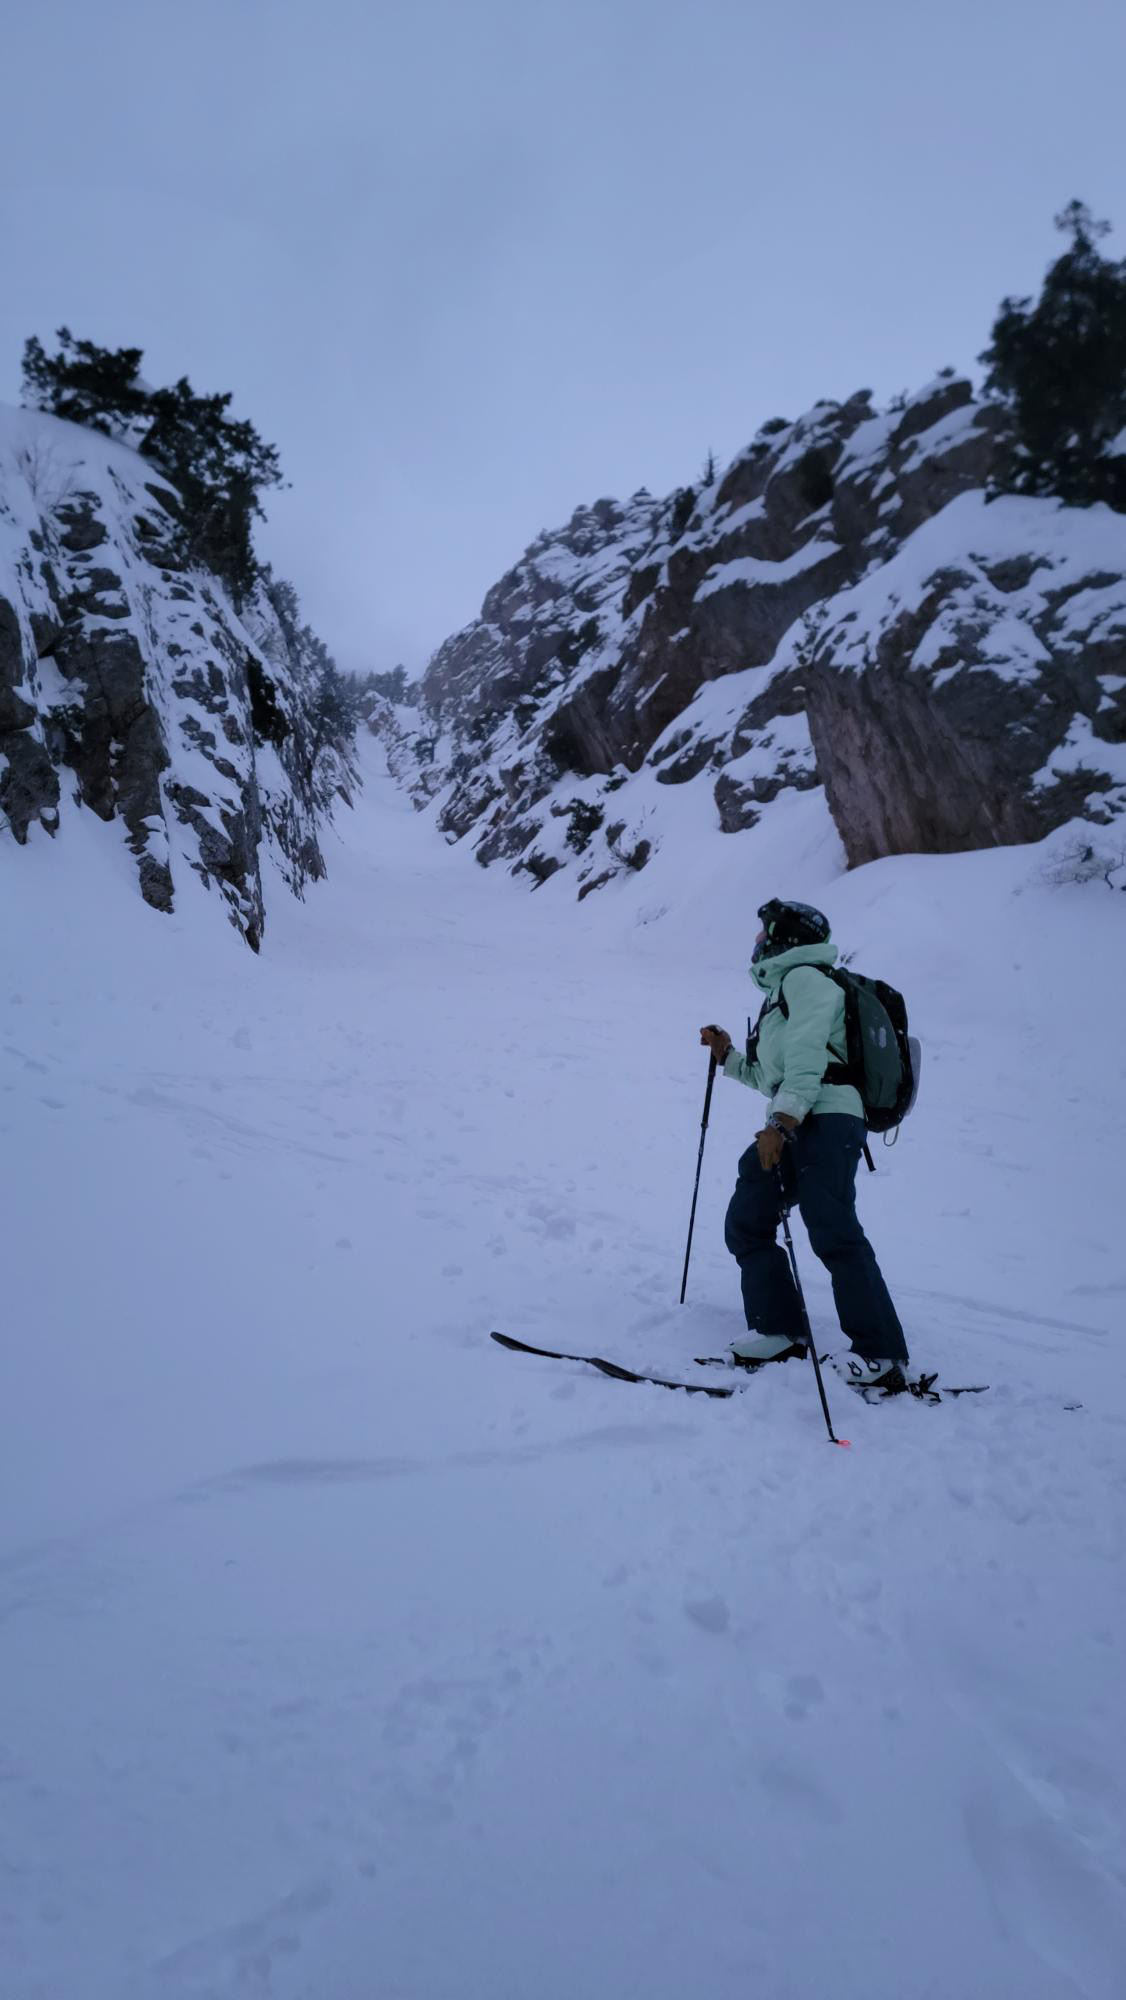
(839, 607)
(972, 691)
(131, 685)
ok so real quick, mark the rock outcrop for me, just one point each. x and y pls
(131, 682)
(842, 606)
(972, 691)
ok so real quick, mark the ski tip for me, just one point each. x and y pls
(845, 1443)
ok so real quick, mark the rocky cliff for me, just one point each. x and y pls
(844, 605)
(128, 681)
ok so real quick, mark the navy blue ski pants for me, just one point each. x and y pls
(819, 1172)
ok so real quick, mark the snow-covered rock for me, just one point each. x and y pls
(131, 680)
(842, 606)
(972, 690)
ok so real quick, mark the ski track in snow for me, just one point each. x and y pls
(345, 1656)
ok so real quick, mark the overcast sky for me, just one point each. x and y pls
(471, 262)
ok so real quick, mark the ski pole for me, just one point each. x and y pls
(810, 1342)
(699, 1164)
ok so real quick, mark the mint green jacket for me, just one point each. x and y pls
(794, 1052)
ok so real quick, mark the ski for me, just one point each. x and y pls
(611, 1368)
(926, 1389)
(923, 1388)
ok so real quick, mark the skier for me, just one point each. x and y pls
(809, 1150)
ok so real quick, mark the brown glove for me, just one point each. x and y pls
(718, 1041)
(771, 1143)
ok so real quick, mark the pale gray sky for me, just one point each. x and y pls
(471, 262)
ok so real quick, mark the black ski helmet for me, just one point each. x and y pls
(787, 925)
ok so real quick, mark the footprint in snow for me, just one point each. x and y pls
(710, 1613)
(804, 1692)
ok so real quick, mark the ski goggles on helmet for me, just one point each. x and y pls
(785, 925)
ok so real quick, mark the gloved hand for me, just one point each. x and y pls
(771, 1143)
(718, 1041)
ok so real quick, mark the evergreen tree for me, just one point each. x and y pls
(100, 387)
(332, 700)
(1058, 365)
(391, 685)
(334, 712)
(218, 463)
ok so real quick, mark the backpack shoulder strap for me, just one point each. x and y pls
(828, 970)
(837, 1071)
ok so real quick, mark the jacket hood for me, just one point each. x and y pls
(770, 972)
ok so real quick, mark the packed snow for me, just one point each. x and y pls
(349, 1657)
(752, 572)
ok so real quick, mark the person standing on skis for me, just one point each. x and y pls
(806, 1153)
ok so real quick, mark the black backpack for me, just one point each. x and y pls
(882, 1060)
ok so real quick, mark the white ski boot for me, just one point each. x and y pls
(759, 1347)
(886, 1376)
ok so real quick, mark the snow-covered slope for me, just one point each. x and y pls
(346, 1655)
(128, 681)
(841, 606)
